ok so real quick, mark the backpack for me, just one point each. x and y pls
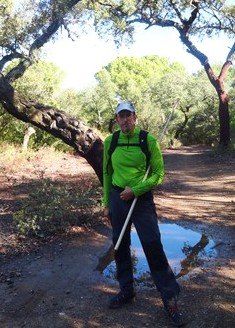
(143, 144)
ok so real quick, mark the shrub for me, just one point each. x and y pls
(54, 206)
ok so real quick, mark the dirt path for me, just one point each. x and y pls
(56, 285)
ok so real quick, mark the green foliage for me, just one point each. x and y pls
(199, 132)
(41, 138)
(232, 106)
(11, 129)
(40, 82)
(27, 25)
(132, 76)
(98, 103)
(232, 112)
(53, 207)
(198, 19)
(117, 18)
(134, 79)
(69, 101)
(154, 85)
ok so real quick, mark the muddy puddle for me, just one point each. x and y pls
(185, 250)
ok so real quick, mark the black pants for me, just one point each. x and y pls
(144, 218)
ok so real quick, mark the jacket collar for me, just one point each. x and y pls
(133, 133)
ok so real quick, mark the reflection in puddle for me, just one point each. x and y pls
(185, 250)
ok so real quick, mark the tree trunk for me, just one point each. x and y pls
(218, 83)
(180, 129)
(224, 120)
(27, 136)
(58, 123)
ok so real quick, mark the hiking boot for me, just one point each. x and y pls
(174, 314)
(121, 299)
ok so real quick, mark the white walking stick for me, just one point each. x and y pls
(145, 177)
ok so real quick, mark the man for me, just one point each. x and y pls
(123, 181)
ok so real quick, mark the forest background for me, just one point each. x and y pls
(51, 146)
(201, 105)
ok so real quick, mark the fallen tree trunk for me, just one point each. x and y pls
(70, 130)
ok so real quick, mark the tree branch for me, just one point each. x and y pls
(70, 130)
(231, 54)
(57, 22)
(9, 58)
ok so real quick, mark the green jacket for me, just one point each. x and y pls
(128, 165)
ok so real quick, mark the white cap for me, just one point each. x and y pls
(126, 105)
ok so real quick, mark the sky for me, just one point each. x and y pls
(81, 59)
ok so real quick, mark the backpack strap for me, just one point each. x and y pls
(143, 144)
(143, 135)
(113, 143)
(112, 146)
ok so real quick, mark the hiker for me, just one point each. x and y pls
(124, 167)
